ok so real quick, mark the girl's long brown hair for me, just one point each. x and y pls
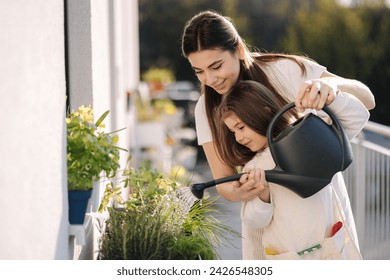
(210, 30)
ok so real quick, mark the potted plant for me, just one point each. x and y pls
(160, 220)
(158, 78)
(91, 154)
(154, 110)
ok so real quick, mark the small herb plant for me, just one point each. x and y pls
(154, 223)
(90, 151)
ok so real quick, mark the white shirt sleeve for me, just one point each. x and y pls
(351, 113)
(257, 213)
(203, 131)
(287, 76)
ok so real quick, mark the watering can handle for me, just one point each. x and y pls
(335, 122)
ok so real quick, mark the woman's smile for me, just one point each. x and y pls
(216, 68)
(219, 86)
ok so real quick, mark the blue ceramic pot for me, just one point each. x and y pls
(78, 201)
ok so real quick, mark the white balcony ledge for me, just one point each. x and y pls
(80, 232)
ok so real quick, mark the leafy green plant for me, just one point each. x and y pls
(90, 151)
(155, 223)
(156, 74)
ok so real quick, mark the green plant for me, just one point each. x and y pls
(151, 110)
(156, 74)
(155, 223)
(90, 151)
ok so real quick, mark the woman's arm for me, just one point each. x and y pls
(351, 113)
(233, 191)
(354, 87)
(315, 93)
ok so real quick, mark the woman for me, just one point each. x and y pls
(220, 58)
(294, 227)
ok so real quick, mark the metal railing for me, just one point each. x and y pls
(368, 183)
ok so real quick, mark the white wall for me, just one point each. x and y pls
(33, 204)
(103, 65)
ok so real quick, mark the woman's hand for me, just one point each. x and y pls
(315, 94)
(252, 184)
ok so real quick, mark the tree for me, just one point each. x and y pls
(352, 43)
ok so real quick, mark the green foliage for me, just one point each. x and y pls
(201, 222)
(154, 223)
(352, 42)
(135, 235)
(90, 150)
(156, 74)
(191, 247)
(377, 21)
(153, 110)
(328, 33)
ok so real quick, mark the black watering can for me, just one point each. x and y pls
(307, 154)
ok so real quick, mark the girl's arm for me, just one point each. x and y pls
(256, 213)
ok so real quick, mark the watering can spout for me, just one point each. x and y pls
(198, 189)
(302, 185)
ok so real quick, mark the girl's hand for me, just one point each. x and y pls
(315, 94)
(251, 185)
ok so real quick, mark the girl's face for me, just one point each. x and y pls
(216, 68)
(244, 134)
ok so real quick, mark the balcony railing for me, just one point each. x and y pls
(368, 183)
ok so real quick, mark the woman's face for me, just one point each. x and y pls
(216, 68)
(244, 134)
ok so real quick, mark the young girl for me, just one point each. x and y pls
(294, 227)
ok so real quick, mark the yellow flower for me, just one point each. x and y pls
(164, 184)
(86, 113)
(177, 171)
